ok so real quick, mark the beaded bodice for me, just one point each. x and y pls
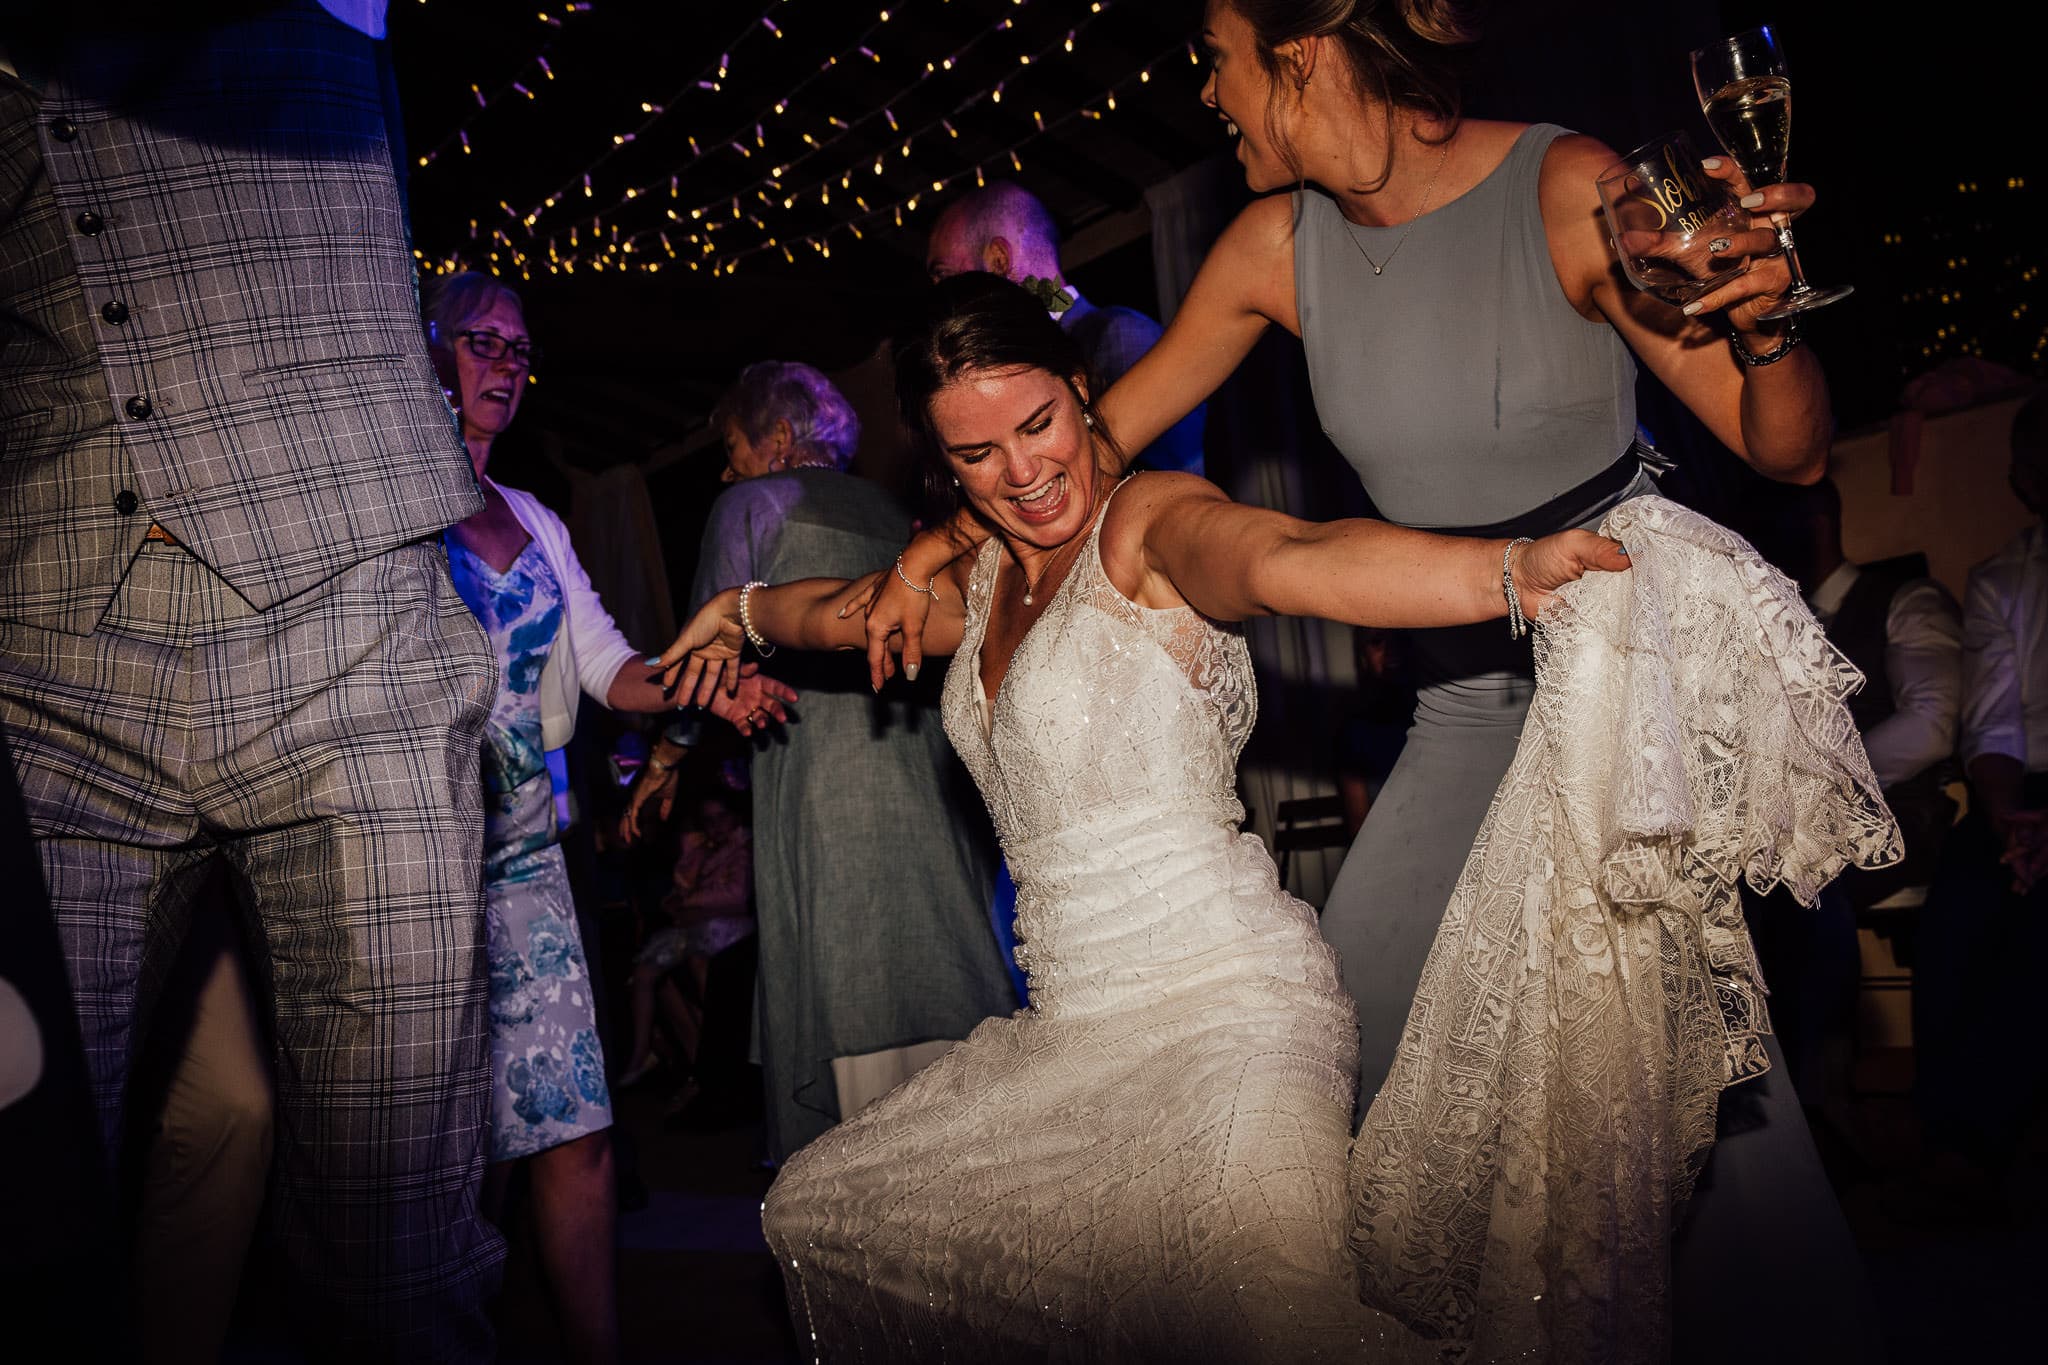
(1107, 707)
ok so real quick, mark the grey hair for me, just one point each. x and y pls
(1003, 208)
(822, 424)
(455, 301)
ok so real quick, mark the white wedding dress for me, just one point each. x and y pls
(1154, 1162)
(1147, 1164)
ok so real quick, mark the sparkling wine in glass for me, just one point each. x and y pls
(1746, 94)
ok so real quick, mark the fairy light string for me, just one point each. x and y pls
(772, 215)
(847, 179)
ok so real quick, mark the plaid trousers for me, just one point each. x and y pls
(327, 748)
(208, 320)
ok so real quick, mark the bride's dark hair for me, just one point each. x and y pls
(976, 321)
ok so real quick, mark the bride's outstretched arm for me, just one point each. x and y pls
(1229, 562)
(808, 613)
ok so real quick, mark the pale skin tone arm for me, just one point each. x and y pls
(1775, 417)
(1174, 539)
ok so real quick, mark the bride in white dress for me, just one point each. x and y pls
(1148, 1163)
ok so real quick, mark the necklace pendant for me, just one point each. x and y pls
(1377, 269)
(1027, 598)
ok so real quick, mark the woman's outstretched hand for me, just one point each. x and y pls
(705, 657)
(896, 615)
(1543, 566)
(757, 703)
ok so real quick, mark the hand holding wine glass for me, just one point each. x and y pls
(1679, 231)
(1745, 91)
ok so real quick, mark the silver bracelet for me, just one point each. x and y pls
(1518, 624)
(930, 590)
(761, 645)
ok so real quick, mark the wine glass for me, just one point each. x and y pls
(1746, 94)
(1671, 221)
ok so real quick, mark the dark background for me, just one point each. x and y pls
(1912, 128)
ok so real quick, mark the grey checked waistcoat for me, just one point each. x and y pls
(208, 316)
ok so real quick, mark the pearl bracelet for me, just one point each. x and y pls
(754, 637)
(929, 590)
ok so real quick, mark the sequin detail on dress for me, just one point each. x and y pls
(1148, 1163)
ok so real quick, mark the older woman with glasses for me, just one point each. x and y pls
(513, 564)
(875, 952)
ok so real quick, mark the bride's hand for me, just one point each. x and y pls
(895, 609)
(1543, 566)
(705, 656)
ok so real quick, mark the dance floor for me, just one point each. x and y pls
(697, 1285)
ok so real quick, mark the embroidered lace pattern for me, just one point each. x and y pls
(1592, 989)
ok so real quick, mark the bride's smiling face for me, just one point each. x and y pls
(1016, 439)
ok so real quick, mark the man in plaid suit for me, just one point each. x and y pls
(227, 630)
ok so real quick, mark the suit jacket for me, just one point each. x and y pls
(208, 314)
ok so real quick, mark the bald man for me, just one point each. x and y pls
(1004, 230)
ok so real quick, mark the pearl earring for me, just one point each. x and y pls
(1087, 419)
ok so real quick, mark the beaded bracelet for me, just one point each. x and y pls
(1749, 357)
(930, 590)
(754, 637)
(1518, 625)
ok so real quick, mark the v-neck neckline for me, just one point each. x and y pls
(981, 692)
(497, 576)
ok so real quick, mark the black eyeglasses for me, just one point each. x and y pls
(491, 346)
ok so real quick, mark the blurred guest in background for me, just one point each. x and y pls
(514, 566)
(1904, 632)
(1984, 934)
(874, 955)
(1382, 709)
(710, 906)
(1004, 230)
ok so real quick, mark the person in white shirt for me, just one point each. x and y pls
(1903, 630)
(1984, 935)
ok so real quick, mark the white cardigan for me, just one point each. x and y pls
(588, 651)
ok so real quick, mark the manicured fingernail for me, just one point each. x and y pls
(1753, 200)
(1712, 163)
(652, 661)
(1622, 548)
(1691, 308)
(910, 671)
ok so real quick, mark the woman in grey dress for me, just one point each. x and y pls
(1472, 348)
(875, 948)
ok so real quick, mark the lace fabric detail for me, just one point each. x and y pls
(1147, 1163)
(1593, 989)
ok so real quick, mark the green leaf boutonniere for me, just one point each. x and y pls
(1055, 299)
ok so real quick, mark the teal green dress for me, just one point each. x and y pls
(547, 1066)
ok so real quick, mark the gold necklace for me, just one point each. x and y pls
(1380, 267)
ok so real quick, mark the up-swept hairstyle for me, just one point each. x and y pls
(822, 424)
(1400, 54)
(977, 321)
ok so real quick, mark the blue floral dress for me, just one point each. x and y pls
(547, 1067)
